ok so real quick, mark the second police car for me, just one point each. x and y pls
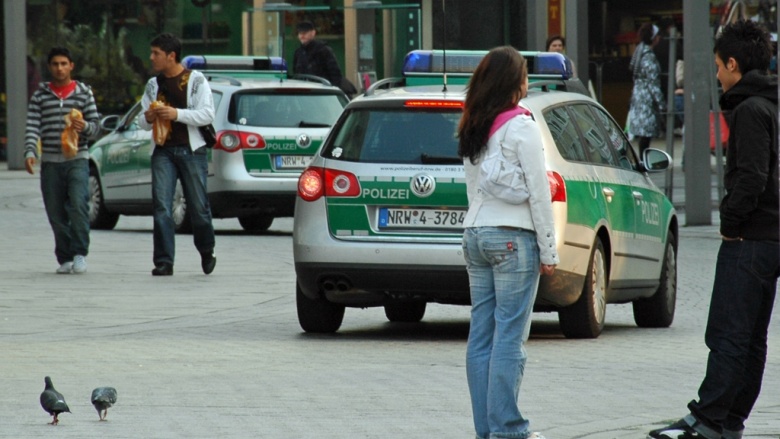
(268, 128)
(379, 215)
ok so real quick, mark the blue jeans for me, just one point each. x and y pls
(65, 189)
(168, 164)
(740, 309)
(503, 267)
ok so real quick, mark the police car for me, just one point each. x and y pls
(268, 128)
(379, 214)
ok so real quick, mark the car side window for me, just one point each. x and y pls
(217, 96)
(597, 147)
(130, 122)
(564, 134)
(617, 139)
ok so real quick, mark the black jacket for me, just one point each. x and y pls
(317, 58)
(750, 208)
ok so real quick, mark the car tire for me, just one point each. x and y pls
(585, 318)
(318, 315)
(256, 223)
(181, 218)
(99, 216)
(410, 312)
(658, 311)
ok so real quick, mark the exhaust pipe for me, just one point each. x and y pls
(328, 285)
(343, 285)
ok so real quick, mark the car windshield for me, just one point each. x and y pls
(397, 136)
(286, 110)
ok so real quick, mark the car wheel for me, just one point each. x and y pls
(658, 311)
(99, 216)
(585, 318)
(318, 315)
(405, 311)
(181, 218)
(256, 223)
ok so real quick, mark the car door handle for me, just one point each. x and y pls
(608, 192)
(637, 195)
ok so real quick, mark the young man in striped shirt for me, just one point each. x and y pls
(64, 180)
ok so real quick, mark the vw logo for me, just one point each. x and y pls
(303, 140)
(423, 185)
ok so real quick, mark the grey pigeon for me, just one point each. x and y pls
(102, 399)
(52, 401)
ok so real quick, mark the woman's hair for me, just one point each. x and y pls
(647, 32)
(748, 43)
(553, 39)
(494, 87)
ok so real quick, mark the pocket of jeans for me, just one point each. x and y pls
(763, 258)
(502, 256)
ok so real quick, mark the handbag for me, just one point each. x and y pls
(503, 179)
(209, 135)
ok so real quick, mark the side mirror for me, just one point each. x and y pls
(655, 160)
(109, 123)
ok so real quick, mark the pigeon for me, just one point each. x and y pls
(52, 401)
(102, 399)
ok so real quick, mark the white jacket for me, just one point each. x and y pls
(523, 145)
(199, 111)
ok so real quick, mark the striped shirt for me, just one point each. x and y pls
(46, 121)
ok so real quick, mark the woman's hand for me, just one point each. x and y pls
(548, 270)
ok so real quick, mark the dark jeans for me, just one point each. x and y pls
(742, 298)
(65, 189)
(168, 164)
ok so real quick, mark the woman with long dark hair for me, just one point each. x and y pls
(509, 238)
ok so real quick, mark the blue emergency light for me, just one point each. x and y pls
(541, 65)
(215, 63)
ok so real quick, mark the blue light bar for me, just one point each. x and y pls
(427, 62)
(215, 63)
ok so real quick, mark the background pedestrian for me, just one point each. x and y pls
(646, 98)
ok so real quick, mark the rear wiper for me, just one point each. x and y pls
(303, 123)
(440, 160)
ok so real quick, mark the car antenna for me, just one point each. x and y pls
(444, 52)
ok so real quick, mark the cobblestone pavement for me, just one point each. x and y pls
(223, 356)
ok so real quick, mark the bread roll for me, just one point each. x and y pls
(161, 129)
(70, 138)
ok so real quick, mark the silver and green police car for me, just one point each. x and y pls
(268, 128)
(378, 220)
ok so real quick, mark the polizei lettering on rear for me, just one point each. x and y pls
(386, 194)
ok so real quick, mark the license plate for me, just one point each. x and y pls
(292, 161)
(392, 218)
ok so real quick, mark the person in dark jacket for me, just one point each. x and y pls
(748, 262)
(314, 57)
(64, 178)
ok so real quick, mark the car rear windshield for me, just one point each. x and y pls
(286, 110)
(397, 136)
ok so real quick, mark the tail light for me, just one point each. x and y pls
(232, 141)
(315, 182)
(557, 186)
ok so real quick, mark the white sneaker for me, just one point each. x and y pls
(79, 264)
(536, 435)
(65, 268)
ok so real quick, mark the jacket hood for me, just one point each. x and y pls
(753, 83)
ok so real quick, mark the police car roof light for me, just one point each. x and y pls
(226, 62)
(427, 62)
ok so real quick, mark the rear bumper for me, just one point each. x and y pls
(234, 204)
(372, 285)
